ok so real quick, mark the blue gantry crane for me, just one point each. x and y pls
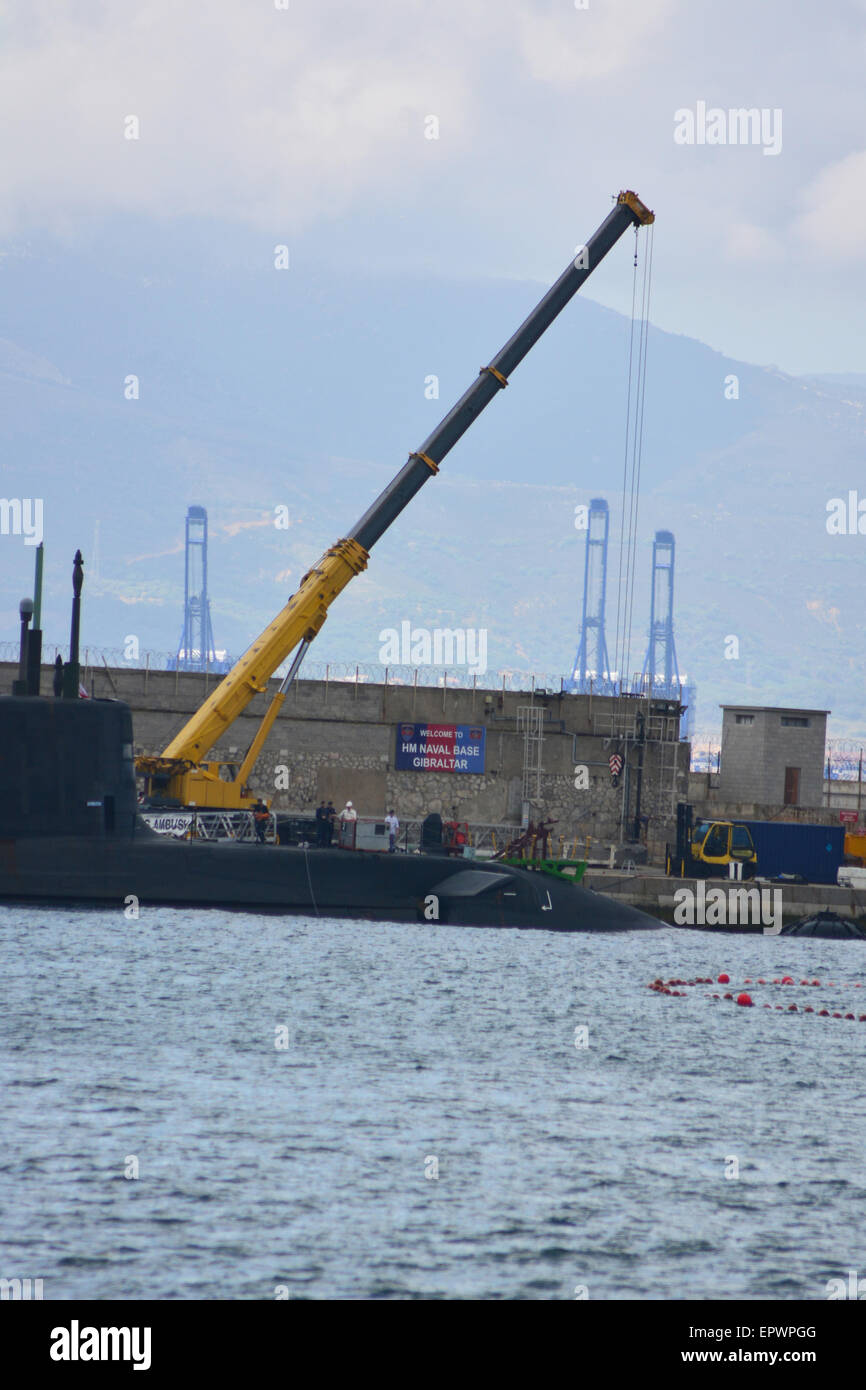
(660, 672)
(591, 670)
(660, 675)
(196, 650)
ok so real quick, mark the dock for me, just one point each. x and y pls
(652, 891)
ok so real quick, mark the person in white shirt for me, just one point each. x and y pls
(348, 812)
(393, 826)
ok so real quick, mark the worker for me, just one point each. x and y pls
(321, 824)
(330, 817)
(393, 825)
(348, 826)
(261, 816)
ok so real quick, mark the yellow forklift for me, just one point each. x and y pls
(705, 848)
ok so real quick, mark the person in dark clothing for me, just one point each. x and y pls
(330, 817)
(261, 816)
(321, 824)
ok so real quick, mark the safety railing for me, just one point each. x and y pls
(182, 824)
(366, 833)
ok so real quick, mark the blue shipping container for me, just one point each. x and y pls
(815, 851)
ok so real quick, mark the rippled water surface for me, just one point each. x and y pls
(305, 1167)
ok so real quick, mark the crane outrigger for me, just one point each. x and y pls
(180, 774)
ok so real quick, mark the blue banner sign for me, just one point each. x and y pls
(440, 748)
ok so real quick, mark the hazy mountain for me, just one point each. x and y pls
(260, 388)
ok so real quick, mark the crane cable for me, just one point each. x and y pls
(622, 532)
(637, 438)
(632, 458)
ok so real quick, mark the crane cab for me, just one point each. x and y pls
(212, 785)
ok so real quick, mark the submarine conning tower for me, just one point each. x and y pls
(66, 768)
(66, 764)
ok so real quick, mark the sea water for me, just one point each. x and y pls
(213, 1105)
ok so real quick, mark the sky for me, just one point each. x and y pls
(461, 139)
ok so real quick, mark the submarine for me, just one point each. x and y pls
(828, 925)
(70, 828)
(71, 832)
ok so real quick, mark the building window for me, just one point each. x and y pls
(745, 718)
(794, 721)
(792, 786)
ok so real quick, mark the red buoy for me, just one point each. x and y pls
(745, 1000)
(724, 979)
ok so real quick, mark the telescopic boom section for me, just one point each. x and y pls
(306, 611)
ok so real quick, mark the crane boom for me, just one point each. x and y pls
(306, 610)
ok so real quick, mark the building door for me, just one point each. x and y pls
(792, 786)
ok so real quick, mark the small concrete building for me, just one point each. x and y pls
(772, 756)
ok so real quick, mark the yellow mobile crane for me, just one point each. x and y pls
(181, 774)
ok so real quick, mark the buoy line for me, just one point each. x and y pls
(745, 1000)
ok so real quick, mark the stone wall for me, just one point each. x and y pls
(337, 740)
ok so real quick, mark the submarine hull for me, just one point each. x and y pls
(311, 882)
(70, 832)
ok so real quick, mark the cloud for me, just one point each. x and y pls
(154, 555)
(747, 242)
(306, 126)
(835, 209)
(276, 117)
(566, 44)
(232, 528)
(244, 111)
